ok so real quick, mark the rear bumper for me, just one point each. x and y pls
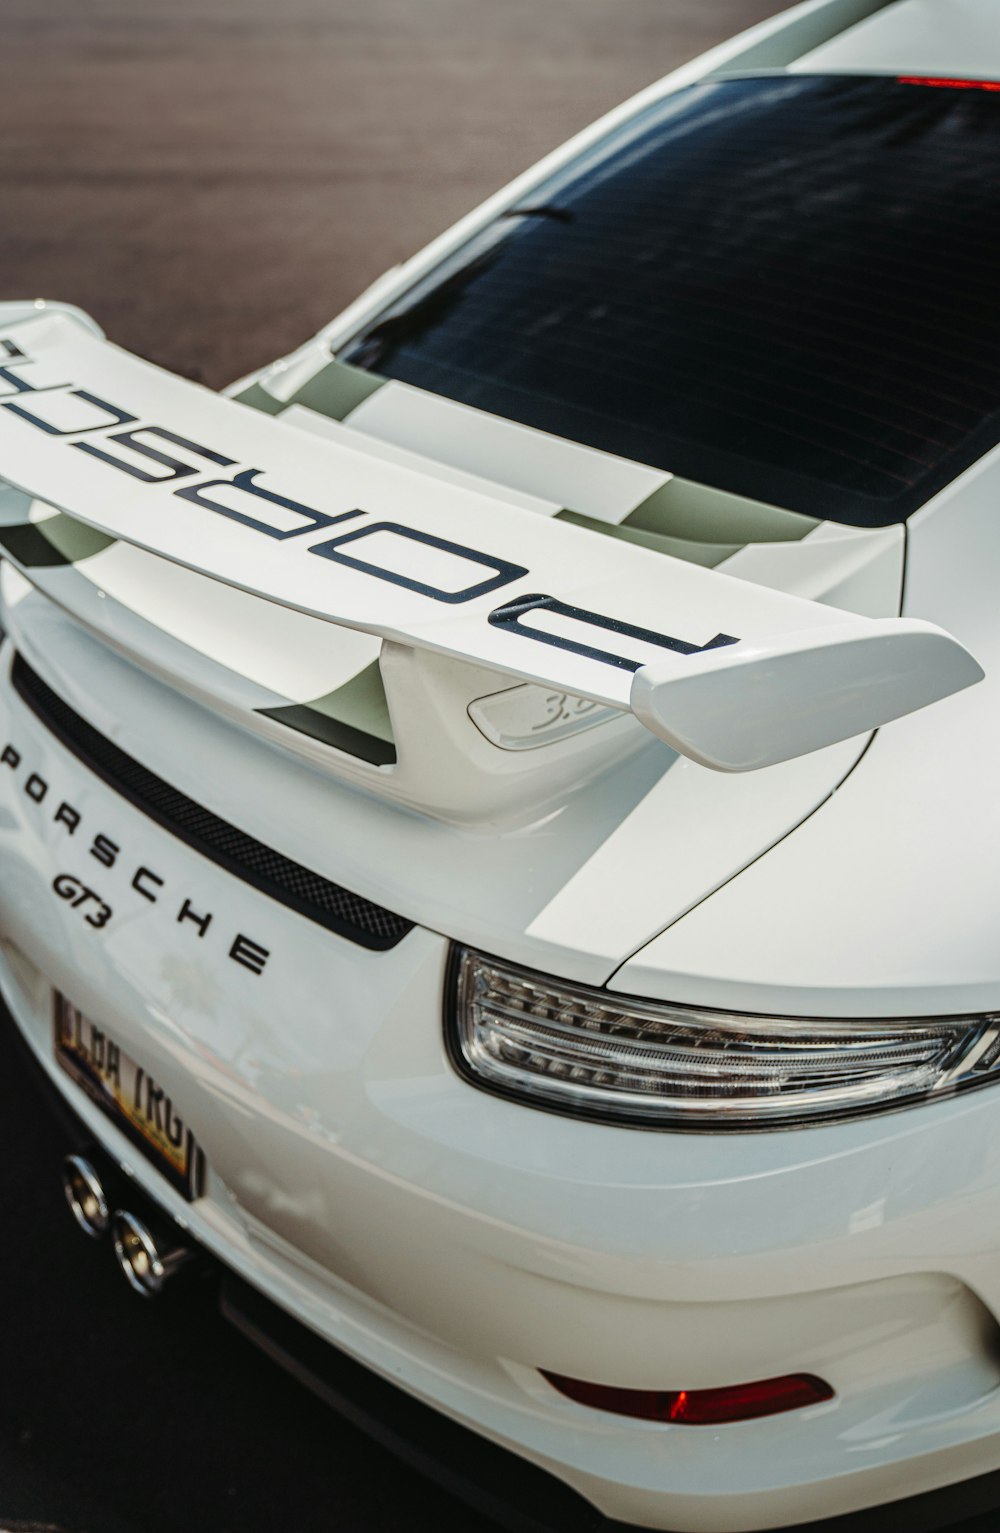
(455, 1244)
(498, 1484)
(516, 1495)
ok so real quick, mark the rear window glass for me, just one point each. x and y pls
(786, 287)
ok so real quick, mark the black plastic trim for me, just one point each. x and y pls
(495, 1482)
(299, 888)
(306, 720)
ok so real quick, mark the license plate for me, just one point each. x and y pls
(130, 1096)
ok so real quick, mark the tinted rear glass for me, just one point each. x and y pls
(786, 287)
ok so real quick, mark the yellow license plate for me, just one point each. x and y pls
(130, 1095)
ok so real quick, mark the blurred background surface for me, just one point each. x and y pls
(215, 179)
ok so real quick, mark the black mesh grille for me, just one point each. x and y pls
(267, 870)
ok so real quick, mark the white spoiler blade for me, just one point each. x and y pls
(735, 675)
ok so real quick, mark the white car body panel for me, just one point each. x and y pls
(454, 1241)
(919, 37)
(936, 954)
(537, 889)
(594, 483)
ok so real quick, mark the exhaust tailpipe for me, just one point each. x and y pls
(85, 1196)
(148, 1260)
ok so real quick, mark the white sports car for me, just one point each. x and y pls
(452, 881)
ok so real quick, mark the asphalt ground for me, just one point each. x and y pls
(122, 1415)
(213, 180)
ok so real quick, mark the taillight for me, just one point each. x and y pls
(942, 83)
(598, 1054)
(699, 1407)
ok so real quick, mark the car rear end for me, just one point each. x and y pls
(294, 917)
(478, 1252)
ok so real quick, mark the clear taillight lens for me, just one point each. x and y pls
(600, 1055)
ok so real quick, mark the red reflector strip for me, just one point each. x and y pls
(699, 1407)
(944, 84)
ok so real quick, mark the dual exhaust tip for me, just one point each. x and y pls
(149, 1257)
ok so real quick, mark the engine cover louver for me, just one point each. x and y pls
(288, 882)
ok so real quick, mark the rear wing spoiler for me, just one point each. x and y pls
(734, 675)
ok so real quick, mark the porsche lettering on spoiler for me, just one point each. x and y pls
(106, 430)
(732, 674)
